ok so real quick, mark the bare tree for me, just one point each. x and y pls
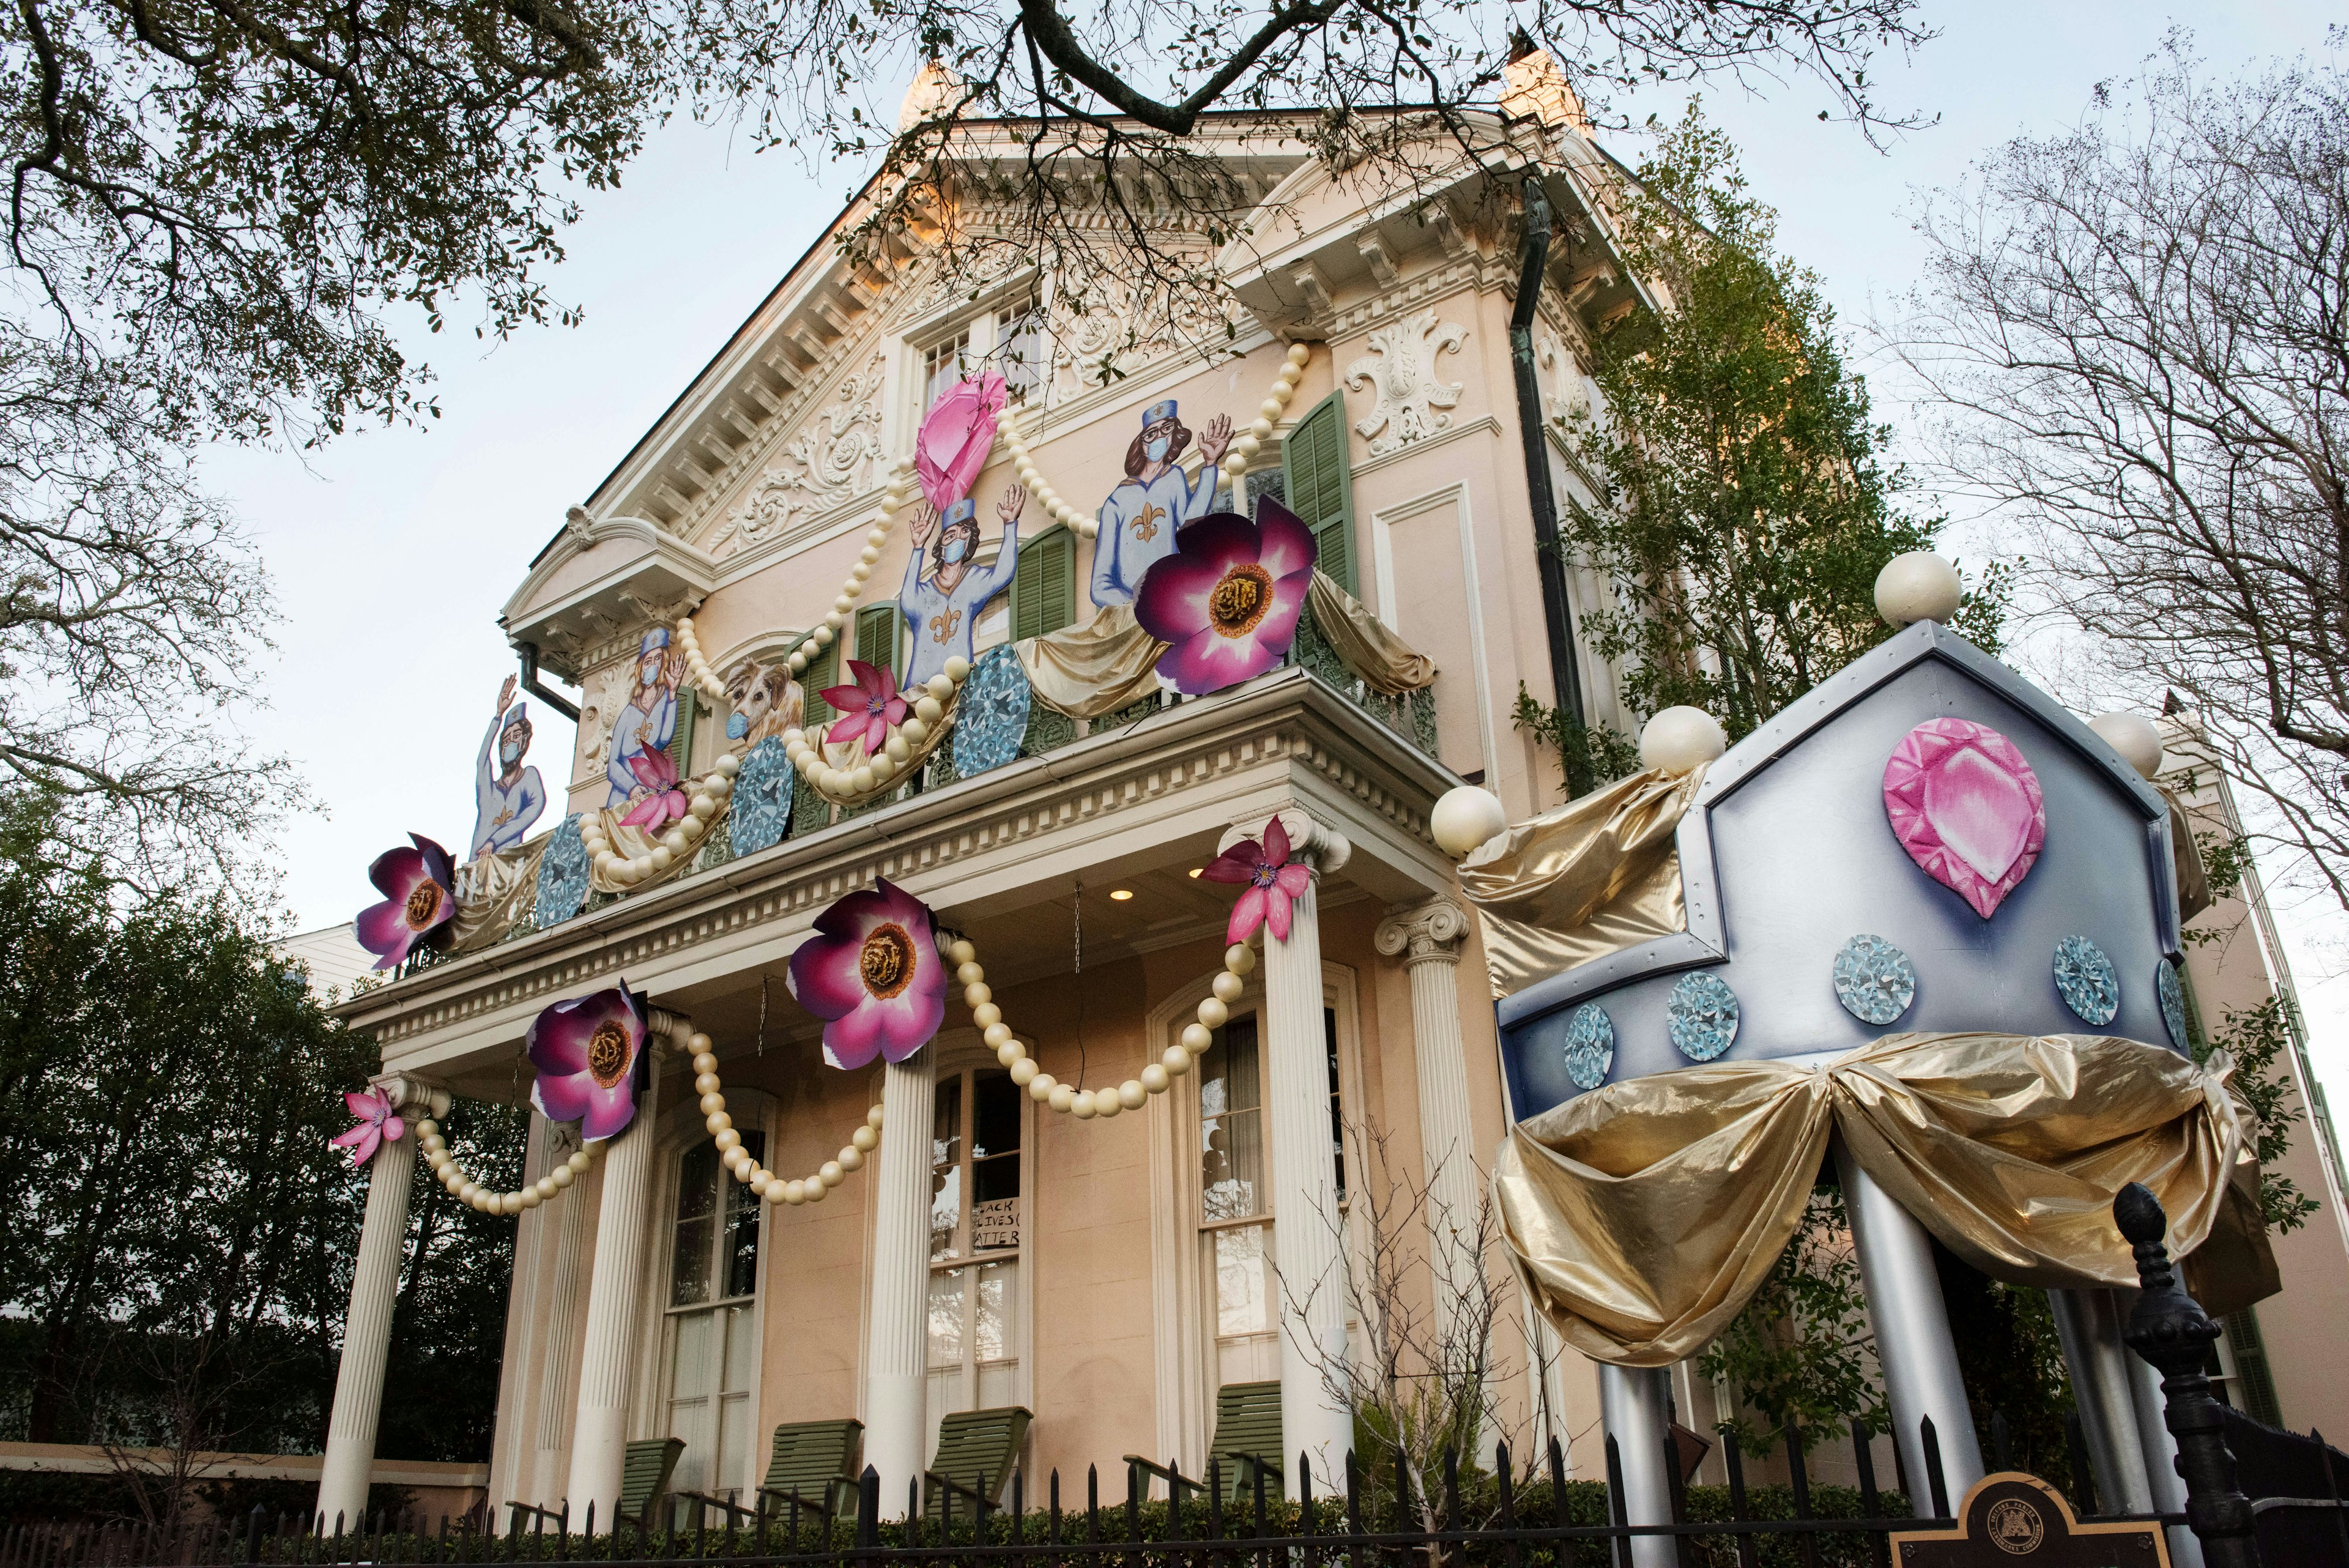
(1422, 1370)
(2136, 335)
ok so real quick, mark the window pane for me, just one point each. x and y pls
(740, 1351)
(1337, 1110)
(697, 1198)
(945, 1171)
(997, 1307)
(742, 1207)
(944, 366)
(1231, 1129)
(1243, 1282)
(995, 1121)
(946, 1317)
(697, 1360)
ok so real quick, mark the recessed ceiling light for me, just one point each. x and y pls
(1194, 872)
(1121, 894)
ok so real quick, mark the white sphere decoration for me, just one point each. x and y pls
(2134, 737)
(1464, 819)
(1919, 586)
(1679, 738)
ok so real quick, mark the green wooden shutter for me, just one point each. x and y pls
(876, 637)
(821, 674)
(1043, 588)
(1319, 487)
(680, 739)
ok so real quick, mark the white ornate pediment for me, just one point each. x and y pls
(834, 456)
(1413, 400)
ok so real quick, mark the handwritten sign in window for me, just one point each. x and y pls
(994, 1225)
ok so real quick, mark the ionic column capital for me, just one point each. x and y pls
(1317, 844)
(1428, 932)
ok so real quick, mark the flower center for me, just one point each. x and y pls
(607, 1054)
(1240, 601)
(422, 905)
(1265, 875)
(885, 962)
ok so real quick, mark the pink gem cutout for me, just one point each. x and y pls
(1966, 806)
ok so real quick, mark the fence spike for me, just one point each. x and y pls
(1304, 1492)
(1353, 1509)
(1511, 1552)
(1930, 1441)
(1621, 1548)
(1871, 1505)
(1557, 1509)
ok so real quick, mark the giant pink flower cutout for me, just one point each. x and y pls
(867, 709)
(954, 438)
(419, 893)
(1272, 879)
(591, 1061)
(1226, 601)
(376, 1126)
(873, 974)
(657, 773)
(1965, 804)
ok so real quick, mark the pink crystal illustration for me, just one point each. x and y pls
(1966, 806)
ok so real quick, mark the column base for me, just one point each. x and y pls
(895, 1446)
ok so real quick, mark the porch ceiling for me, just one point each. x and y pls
(999, 855)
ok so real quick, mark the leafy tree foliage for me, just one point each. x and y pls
(177, 1236)
(1744, 500)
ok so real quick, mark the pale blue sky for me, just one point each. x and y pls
(392, 551)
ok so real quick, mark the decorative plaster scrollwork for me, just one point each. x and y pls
(1412, 398)
(821, 466)
(1565, 396)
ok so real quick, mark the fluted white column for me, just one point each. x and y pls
(1307, 1231)
(1427, 937)
(897, 1334)
(551, 1431)
(349, 1460)
(599, 1437)
(1912, 1333)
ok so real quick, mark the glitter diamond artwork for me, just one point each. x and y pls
(2173, 1001)
(2085, 978)
(991, 719)
(760, 807)
(1967, 807)
(562, 875)
(1703, 1013)
(1874, 980)
(1589, 1046)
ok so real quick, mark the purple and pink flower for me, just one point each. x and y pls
(591, 1061)
(1226, 601)
(868, 710)
(1272, 879)
(419, 893)
(376, 1126)
(874, 975)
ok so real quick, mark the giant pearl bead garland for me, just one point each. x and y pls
(761, 1182)
(1097, 1104)
(473, 1195)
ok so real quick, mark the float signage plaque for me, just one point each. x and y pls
(2015, 1520)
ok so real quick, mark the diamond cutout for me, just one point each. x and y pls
(1965, 804)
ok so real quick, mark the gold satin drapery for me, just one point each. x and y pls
(1643, 1215)
(491, 892)
(1388, 665)
(1101, 664)
(1581, 880)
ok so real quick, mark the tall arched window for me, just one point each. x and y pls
(1236, 1199)
(710, 1329)
(977, 1214)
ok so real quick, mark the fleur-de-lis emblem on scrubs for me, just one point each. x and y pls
(1146, 526)
(942, 625)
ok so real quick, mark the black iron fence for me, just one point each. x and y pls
(1384, 1515)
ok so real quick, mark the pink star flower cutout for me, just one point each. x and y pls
(1272, 880)
(376, 1126)
(657, 773)
(868, 710)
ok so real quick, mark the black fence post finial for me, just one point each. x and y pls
(2169, 1329)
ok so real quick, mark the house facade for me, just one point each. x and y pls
(1108, 1272)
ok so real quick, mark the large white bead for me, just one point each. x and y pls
(1919, 586)
(1040, 1086)
(1178, 1061)
(1197, 1037)
(1024, 1072)
(1132, 1094)
(2134, 737)
(867, 1139)
(1154, 1079)
(1680, 737)
(1227, 987)
(1464, 817)
(1214, 1014)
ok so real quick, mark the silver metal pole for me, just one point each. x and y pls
(2160, 1451)
(1635, 1403)
(1912, 1333)
(2088, 1322)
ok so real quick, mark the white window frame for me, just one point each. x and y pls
(982, 320)
(1183, 1316)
